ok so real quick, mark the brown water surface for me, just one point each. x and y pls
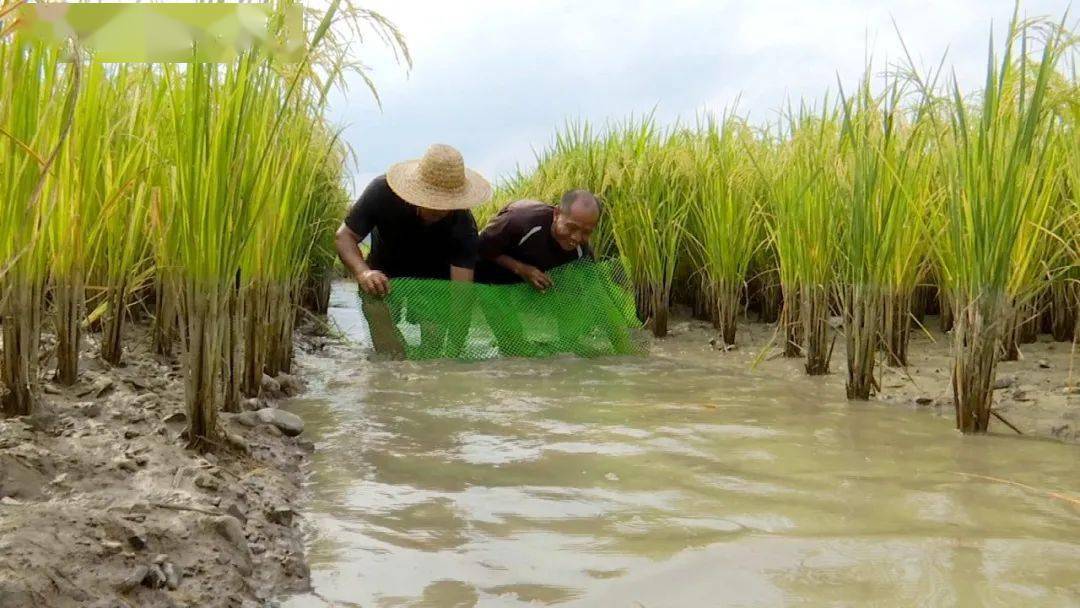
(683, 479)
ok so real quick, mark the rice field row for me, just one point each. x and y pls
(870, 205)
(205, 193)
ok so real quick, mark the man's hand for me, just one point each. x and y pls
(535, 276)
(373, 282)
(347, 243)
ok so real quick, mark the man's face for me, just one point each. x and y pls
(573, 228)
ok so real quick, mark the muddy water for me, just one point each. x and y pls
(682, 479)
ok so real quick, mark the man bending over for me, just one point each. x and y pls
(528, 238)
(521, 244)
(418, 217)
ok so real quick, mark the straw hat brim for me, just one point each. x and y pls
(404, 180)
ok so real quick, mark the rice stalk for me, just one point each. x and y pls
(37, 107)
(225, 124)
(995, 157)
(130, 172)
(290, 228)
(882, 229)
(214, 114)
(1064, 297)
(74, 226)
(803, 223)
(649, 211)
(726, 228)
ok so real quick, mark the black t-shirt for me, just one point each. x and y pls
(402, 245)
(522, 230)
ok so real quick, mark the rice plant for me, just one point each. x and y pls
(909, 280)
(995, 159)
(37, 104)
(649, 210)
(803, 222)
(130, 172)
(100, 233)
(292, 222)
(1065, 306)
(225, 125)
(211, 110)
(727, 229)
(72, 227)
(882, 228)
(1041, 260)
(333, 198)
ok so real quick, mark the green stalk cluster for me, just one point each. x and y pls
(208, 194)
(37, 102)
(997, 156)
(803, 221)
(726, 225)
(883, 228)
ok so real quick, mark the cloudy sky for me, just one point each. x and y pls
(496, 78)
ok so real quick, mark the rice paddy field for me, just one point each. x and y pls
(185, 213)
(872, 206)
(200, 196)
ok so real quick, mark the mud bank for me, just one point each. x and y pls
(1038, 394)
(101, 505)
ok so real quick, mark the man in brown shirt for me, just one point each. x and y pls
(520, 244)
(528, 238)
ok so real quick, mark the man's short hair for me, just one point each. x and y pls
(579, 195)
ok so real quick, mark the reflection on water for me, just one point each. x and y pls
(682, 479)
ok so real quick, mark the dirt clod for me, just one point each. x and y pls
(137, 541)
(231, 530)
(288, 423)
(175, 418)
(172, 576)
(134, 579)
(281, 515)
(270, 386)
(1004, 381)
(155, 577)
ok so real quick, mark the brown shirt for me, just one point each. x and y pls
(522, 230)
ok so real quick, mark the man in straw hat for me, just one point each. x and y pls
(418, 217)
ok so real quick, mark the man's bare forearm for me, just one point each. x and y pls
(348, 249)
(461, 275)
(509, 263)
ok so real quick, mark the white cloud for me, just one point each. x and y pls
(497, 78)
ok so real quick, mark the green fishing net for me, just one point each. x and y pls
(589, 311)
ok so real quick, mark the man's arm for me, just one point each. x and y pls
(347, 244)
(527, 272)
(466, 248)
(461, 275)
(358, 224)
(494, 242)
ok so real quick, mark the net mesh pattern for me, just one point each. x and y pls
(589, 311)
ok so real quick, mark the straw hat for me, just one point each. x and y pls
(439, 180)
